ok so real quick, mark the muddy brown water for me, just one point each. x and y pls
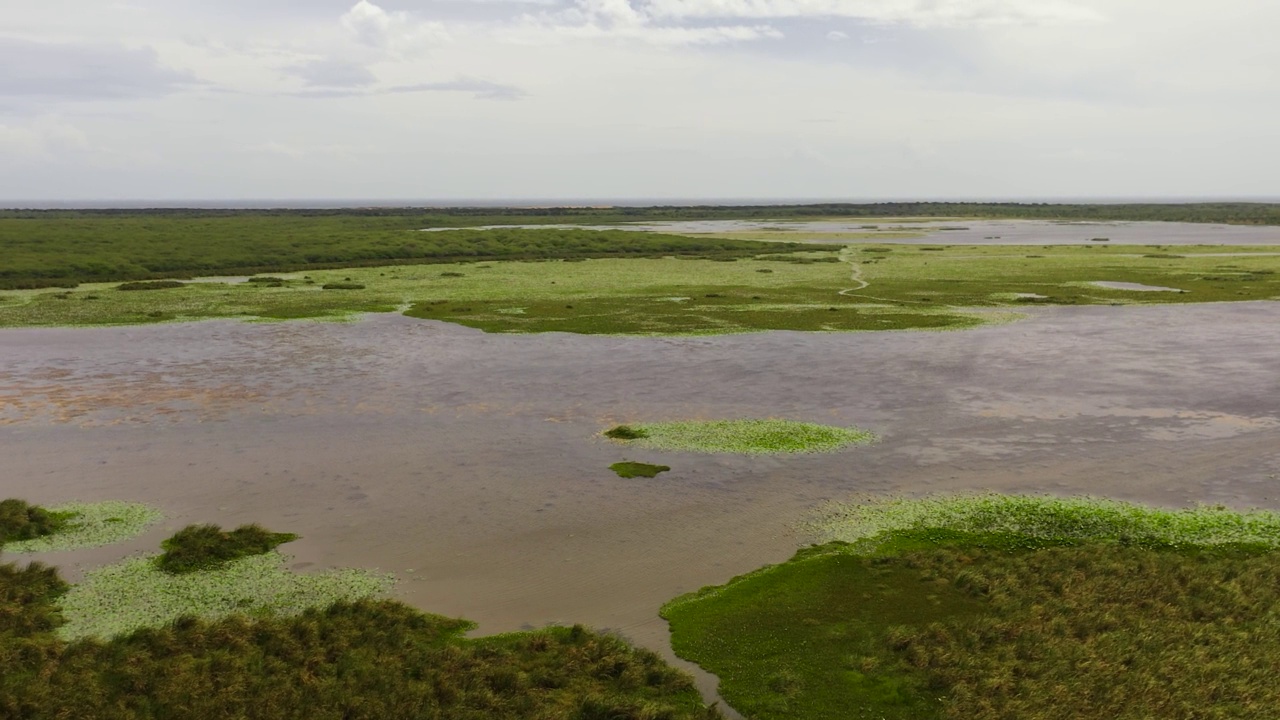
(467, 464)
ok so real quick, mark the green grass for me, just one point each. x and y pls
(750, 437)
(635, 469)
(911, 287)
(356, 660)
(207, 547)
(1001, 607)
(90, 525)
(19, 520)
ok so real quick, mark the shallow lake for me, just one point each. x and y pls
(971, 232)
(467, 464)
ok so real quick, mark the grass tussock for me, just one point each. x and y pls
(342, 286)
(751, 437)
(205, 547)
(84, 525)
(19, 520)
(986, 607)
(634, 469)
(625, 432)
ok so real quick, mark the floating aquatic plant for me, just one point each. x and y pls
(135, 593)
(91, 525)
(1049, 518)
(752, 437)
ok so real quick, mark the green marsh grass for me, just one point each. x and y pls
(91, 525)
(909, 288)
(151, 285)
(207, 547)
(20, 520)
(985, 607)
(252, 640)
(749, 437)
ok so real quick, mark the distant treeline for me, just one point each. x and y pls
(1245, 213)
(40, 248)
(64, 250)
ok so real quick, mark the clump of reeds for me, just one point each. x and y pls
(206, 547)
(20, 520)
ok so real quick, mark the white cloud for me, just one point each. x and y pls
(622, 20)
(394, 32)
(837, 36)
(915, 12)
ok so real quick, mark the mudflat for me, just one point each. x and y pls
(468, 463)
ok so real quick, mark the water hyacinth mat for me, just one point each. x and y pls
(746, 437)
(92, 525)
(135, 593)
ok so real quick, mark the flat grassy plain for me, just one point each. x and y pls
(1002, 607)
(860, 287)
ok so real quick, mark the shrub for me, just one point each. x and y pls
(342, 286)
(151, 285)
(204, 547)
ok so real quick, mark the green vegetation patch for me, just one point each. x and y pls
(136, 593)
(751, 437)
(362, 660)
(151, 285)
(1048, 519)
(19, 520)
(207, 547)
(989, 607)
(91, 525)
(249, 639)
(635, 469)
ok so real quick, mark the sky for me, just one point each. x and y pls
(614, 99)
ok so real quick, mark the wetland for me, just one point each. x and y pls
(461, 452)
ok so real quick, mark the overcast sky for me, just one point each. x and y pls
(576, 99)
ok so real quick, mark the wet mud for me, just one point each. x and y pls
(468, 464)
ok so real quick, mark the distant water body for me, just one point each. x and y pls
(337, 204)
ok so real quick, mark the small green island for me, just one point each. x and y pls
(634, 469)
